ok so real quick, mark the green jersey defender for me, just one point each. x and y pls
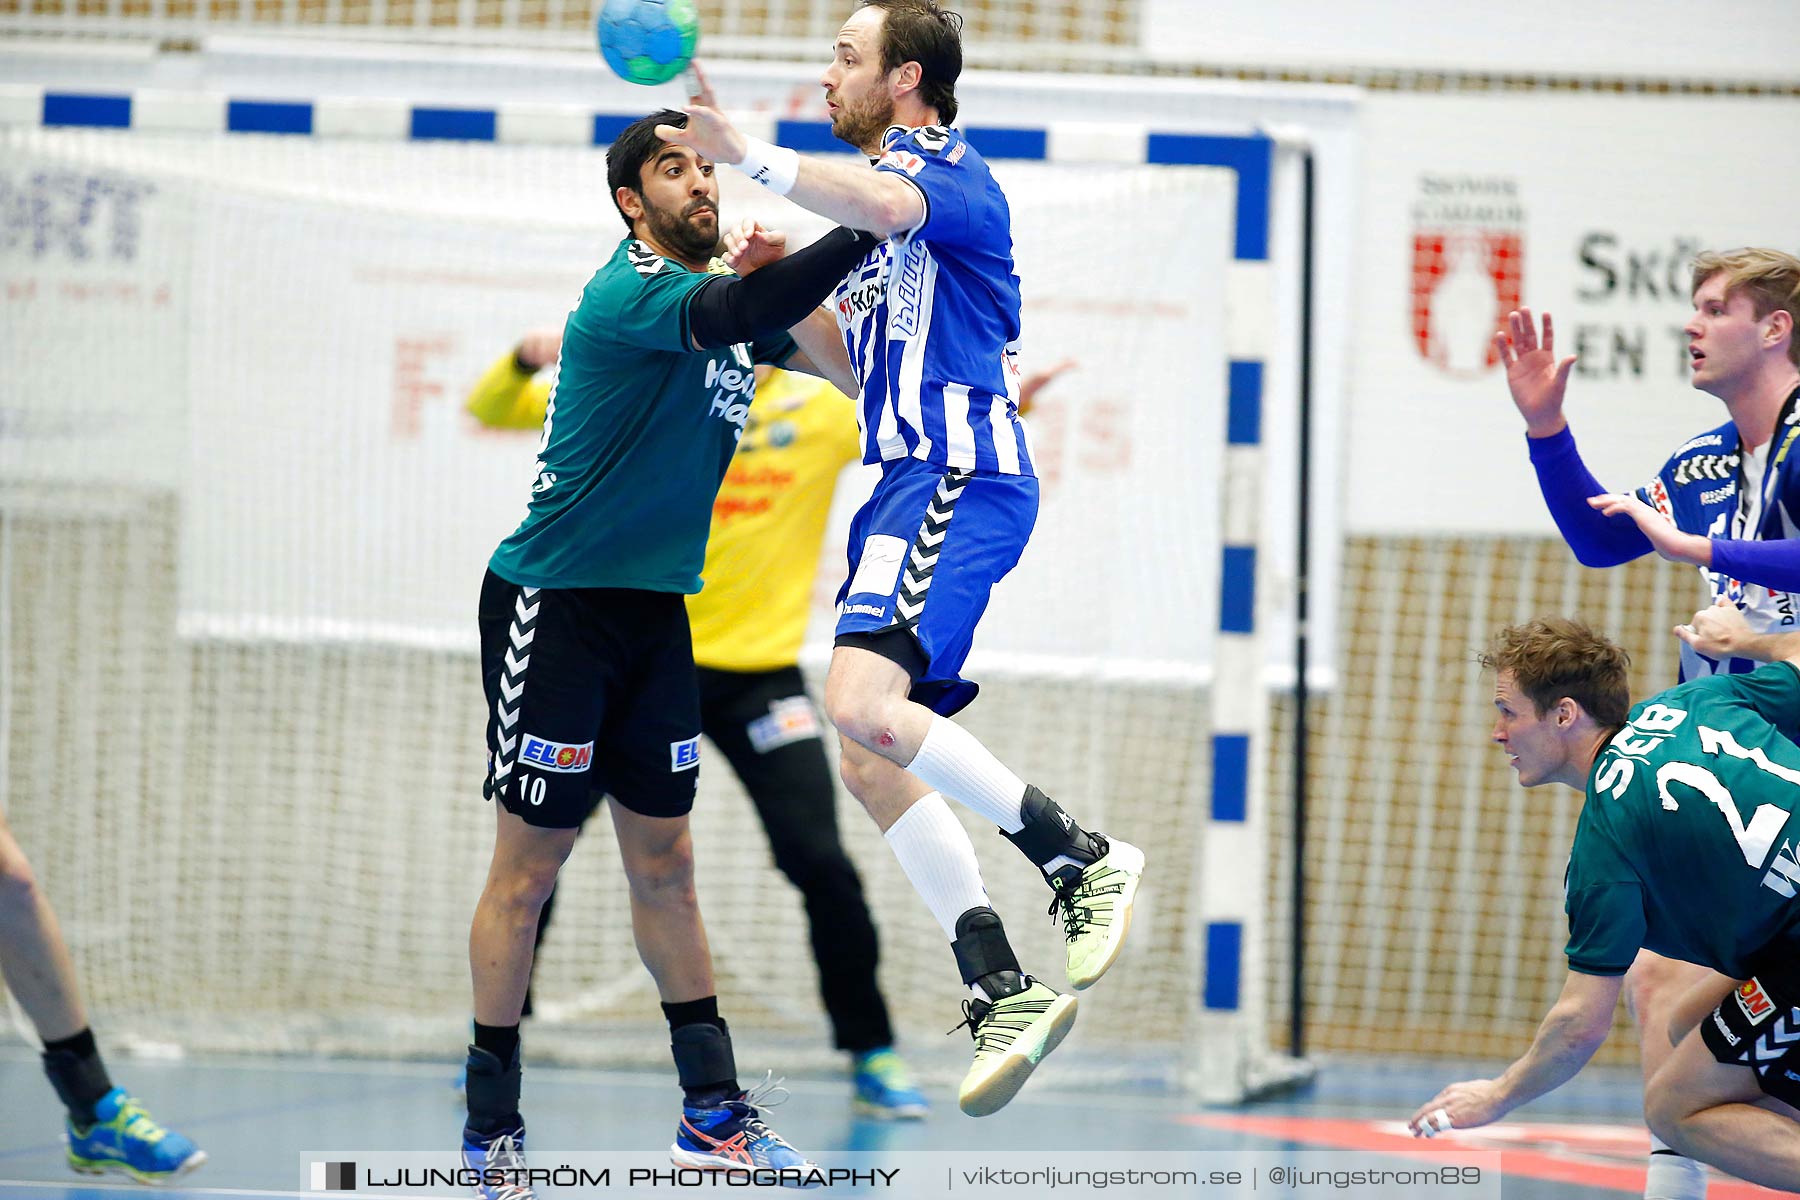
(1687, 843)
(627, 471)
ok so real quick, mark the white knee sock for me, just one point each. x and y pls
(953, 762)
(1673, 1176)
(935, 852)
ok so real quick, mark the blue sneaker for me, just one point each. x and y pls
(503, 1152)
(884, 1090)
(124, 1138)
(733, 1137)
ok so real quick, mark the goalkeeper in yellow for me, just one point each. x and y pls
(748, 620)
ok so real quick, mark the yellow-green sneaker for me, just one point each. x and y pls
(1012, 1035)
(124, 1138)
(1096, 907)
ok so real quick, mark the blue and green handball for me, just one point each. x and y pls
(648, 41)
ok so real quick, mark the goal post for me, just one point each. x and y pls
(243, 523)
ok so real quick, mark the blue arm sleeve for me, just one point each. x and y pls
(1598, 541)
(1772, 564)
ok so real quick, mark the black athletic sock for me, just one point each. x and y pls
(701, 1043)
(79, 1077)
(704, 1011)
(501, 1041)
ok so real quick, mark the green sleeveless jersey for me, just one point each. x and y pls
(1687, 842)
(637, 435)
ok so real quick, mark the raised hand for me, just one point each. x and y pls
(707, 133)
(750, 246)
(1534, 374)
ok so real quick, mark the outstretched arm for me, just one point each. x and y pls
(750, 248)
(1773, 564)
(848, 193)
(1597, 539)
(1575, 1028)
(727, 309)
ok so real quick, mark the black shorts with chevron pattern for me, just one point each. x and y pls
(1758, 1025)
(590, 693)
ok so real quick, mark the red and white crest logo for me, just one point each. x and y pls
(1468, 259)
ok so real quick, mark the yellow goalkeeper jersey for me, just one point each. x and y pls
(768, 520)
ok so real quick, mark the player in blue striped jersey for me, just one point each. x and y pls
(930, 324)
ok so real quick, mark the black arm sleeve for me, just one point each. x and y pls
(727, 309)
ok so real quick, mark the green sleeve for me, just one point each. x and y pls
(645, 306)
(1606, 927)
(1605, 899)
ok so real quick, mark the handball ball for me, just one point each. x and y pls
(648, 41)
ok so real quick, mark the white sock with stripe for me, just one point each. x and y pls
(935, 852)
(1673, 1176)
(953, 762)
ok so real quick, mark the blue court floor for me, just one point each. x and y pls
(256, 1117)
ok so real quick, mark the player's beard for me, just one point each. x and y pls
(687, 237)
(863, 122)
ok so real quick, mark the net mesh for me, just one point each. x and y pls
(1434, 881)
(245, 521)
(996, 29)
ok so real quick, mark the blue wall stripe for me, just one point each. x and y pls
(1237, 590)
(265, 116)
(453, 124)
(995, 141)
(608, 126)
(70, 108)
(1224, 964)
(809, 137)
(1252, 159)
(1231, 776)
(1243, 403)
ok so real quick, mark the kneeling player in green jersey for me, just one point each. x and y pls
(1686, 846)
(587, 659)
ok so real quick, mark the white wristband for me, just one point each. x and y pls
(775, 167)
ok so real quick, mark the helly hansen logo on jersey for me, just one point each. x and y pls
(684, 756)
(334, 1177)
(563, 757)
(1705, 466)
(733, 387)
(1755, 1002)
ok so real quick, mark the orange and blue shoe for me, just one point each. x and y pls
(734, 1137)
(124, 1138)
(500, 1159)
